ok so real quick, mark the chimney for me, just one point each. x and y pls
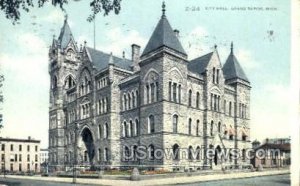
(29, 138)
(135, 56)
(176, 32)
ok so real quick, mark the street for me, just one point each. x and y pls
(277, 180)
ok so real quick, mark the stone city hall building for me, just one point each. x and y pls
(102, 105)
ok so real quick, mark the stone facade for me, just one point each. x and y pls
(102, 106)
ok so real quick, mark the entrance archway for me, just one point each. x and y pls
(87, 149)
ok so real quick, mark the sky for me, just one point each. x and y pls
(261, 40)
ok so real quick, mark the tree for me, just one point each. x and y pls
(12, 8)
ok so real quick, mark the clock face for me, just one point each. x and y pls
(70, 55)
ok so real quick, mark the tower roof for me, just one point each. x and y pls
(65, 35)
(163, 35)
(232, 68)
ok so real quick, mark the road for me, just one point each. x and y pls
(278, 180)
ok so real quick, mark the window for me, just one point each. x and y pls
(28, 157)
(244, 137)
(3, 147)
(129, 101)
(137, 127)
(170, 91)
(16, 157)
(176, 152)
(219, 127)
(105, 130)
(125, 129)
(197, 128)
(211, 128)
(179, 94)
(190, 126)
(148, 95)
(152, 87)
(197, 100)
(20, 147)
(11, 167)
(151, 152)
(231, 136)
(175, 124)
(20, 167)
(190, 98)
(28, 166)
(106, 154)
(36, 147)
(133, 100)
(125, 102)
(99, 155)
(218, 76)
(190, 153)
(151, 124)
(230, 109)
(11, 147)
(20, 157)
(2, 157)
(214, 74)
(175, 92)
(137, 98)
(198, 153)
(157, 91)
(131, 128)
(85, 156)
(99, 131)
(36, 158)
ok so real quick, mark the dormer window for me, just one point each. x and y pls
(70, 55)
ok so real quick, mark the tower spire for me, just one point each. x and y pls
(163, 9)
(231, 48)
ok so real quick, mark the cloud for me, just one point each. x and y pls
(246, 59)
(55, 16)
(121, 41)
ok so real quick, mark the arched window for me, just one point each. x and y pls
(157, 91)
(152, 89)
(175, 92)
(230, 108)
(129, 101)
(179, 93)
(151, 152)
(243, 154)
(212, 128)
(225, 107)
(190, 126)
(137, 98)
(214, 74)
(219, 127)
(151, 124)
(218, 71)
(170, 91)
(137, 127)
(198, 100)
(190, 153)
(125, 129)
(124, 133)
(148, 94)
(135, 152)
(125, 102)
(85, 157)
(99, 131)
(175, 152)
(127, 154)
(133, 100)
(190, 98)
(175, 124)
(132, 132)
(106, 154)
(198, 153)
(99, 154)
(106, 130)
(197, 128)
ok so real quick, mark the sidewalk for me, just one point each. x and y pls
(165, 181)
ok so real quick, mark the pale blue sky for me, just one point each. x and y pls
(265, 58)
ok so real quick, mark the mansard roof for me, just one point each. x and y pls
(232, 68)
(101, 60)
(199, 64)
(163, 35)
(65, 35)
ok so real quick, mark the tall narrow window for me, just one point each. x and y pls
(157, 91)
(151, 152)
(211, 101)
(170, 91)
(131, 128)
(230, 108)
(225, 107)
(190, 126)
(99, 131)
(197, 100)
(99, 155)
(214, 74)
(133, 100)
(218, 76)
(152, 92)
(125, 102)
(190, 155)
(215, 102)
(175, 152)
(197, 128)
(212, 128)
(179, 93)
(148, 95)
(124, 131)
(190, 98)
(151, 124)
(137, 98)
(219, 127)
(137, 127)
(174, 93)
(175, 124)
(129, 101)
